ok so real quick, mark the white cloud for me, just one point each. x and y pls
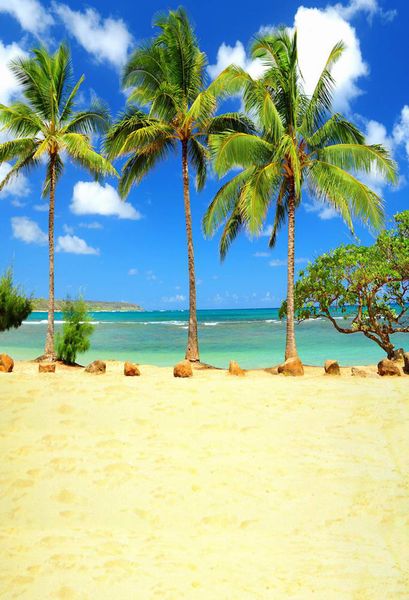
(17, 203)
(92, 225)
(68, 229)
(174, 299)
(29, 13)
(28, 231)
(278, 262)
(267, 231)
(318, 31)
(92, 198)
(377, 133)
(324, 211)
(18, 186)
(74, 245)
(401, 130)
(371, 7)
(41, 207)
(9, 86)
(261, 254)
(234, 55)
(133, 271)
(106, 39)
(150, 276)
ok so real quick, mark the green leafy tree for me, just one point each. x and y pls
(167, 77)
(15, 306)
(77, 330)
(46, 127)
(368, 285)
(299, 144)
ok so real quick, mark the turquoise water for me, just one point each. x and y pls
(253, 337)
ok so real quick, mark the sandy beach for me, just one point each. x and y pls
(210, 488)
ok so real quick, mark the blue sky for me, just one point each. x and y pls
(136, 252)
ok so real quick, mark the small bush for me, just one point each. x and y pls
(15, 306)
(76, 332)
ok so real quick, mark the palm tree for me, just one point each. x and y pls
(45, 128)
(167, 77)
(300, 142)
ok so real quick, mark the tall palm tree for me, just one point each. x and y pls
(45, 128)
(300, 143)
(167, 78)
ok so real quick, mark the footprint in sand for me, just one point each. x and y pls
(65, 593)
(66, 497)
(65, 409)
(22, 483)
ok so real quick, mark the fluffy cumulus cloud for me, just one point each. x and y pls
(133, 271)
(29, 13)
(18, 186)
(28, 231)
(74, 245)
(236, 55)
(319, 29)
(9, 87)
(92, 198)
(106, 39)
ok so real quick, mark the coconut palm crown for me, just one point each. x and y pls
(170, 108)
(300, 144)
(45, 128)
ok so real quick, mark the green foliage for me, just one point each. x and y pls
(369, 285)
(15, 306)
(46, 124)
(77, 330)
(299, 143)
(167, 77)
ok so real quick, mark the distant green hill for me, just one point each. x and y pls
(41, 304)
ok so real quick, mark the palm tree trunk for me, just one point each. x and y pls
(192, 350)
(49, 342)
(290, 347)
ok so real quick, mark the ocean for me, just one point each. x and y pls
(253, 337)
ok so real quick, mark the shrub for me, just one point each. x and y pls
(15, 306)
(76, 332)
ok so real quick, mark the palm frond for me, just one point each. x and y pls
(360, 157)
(198, 155)
(321, 99)
(224, 202)
(346, 194)
(232, 150)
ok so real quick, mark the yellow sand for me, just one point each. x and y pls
(214, 488)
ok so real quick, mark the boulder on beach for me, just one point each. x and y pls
(6, 363)
(235, 369)
(46, 367)
(292, 366)
(388, 367)
(97, 367)
(183, 369)
(131, 369)
(331, 367)
(406, 363)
